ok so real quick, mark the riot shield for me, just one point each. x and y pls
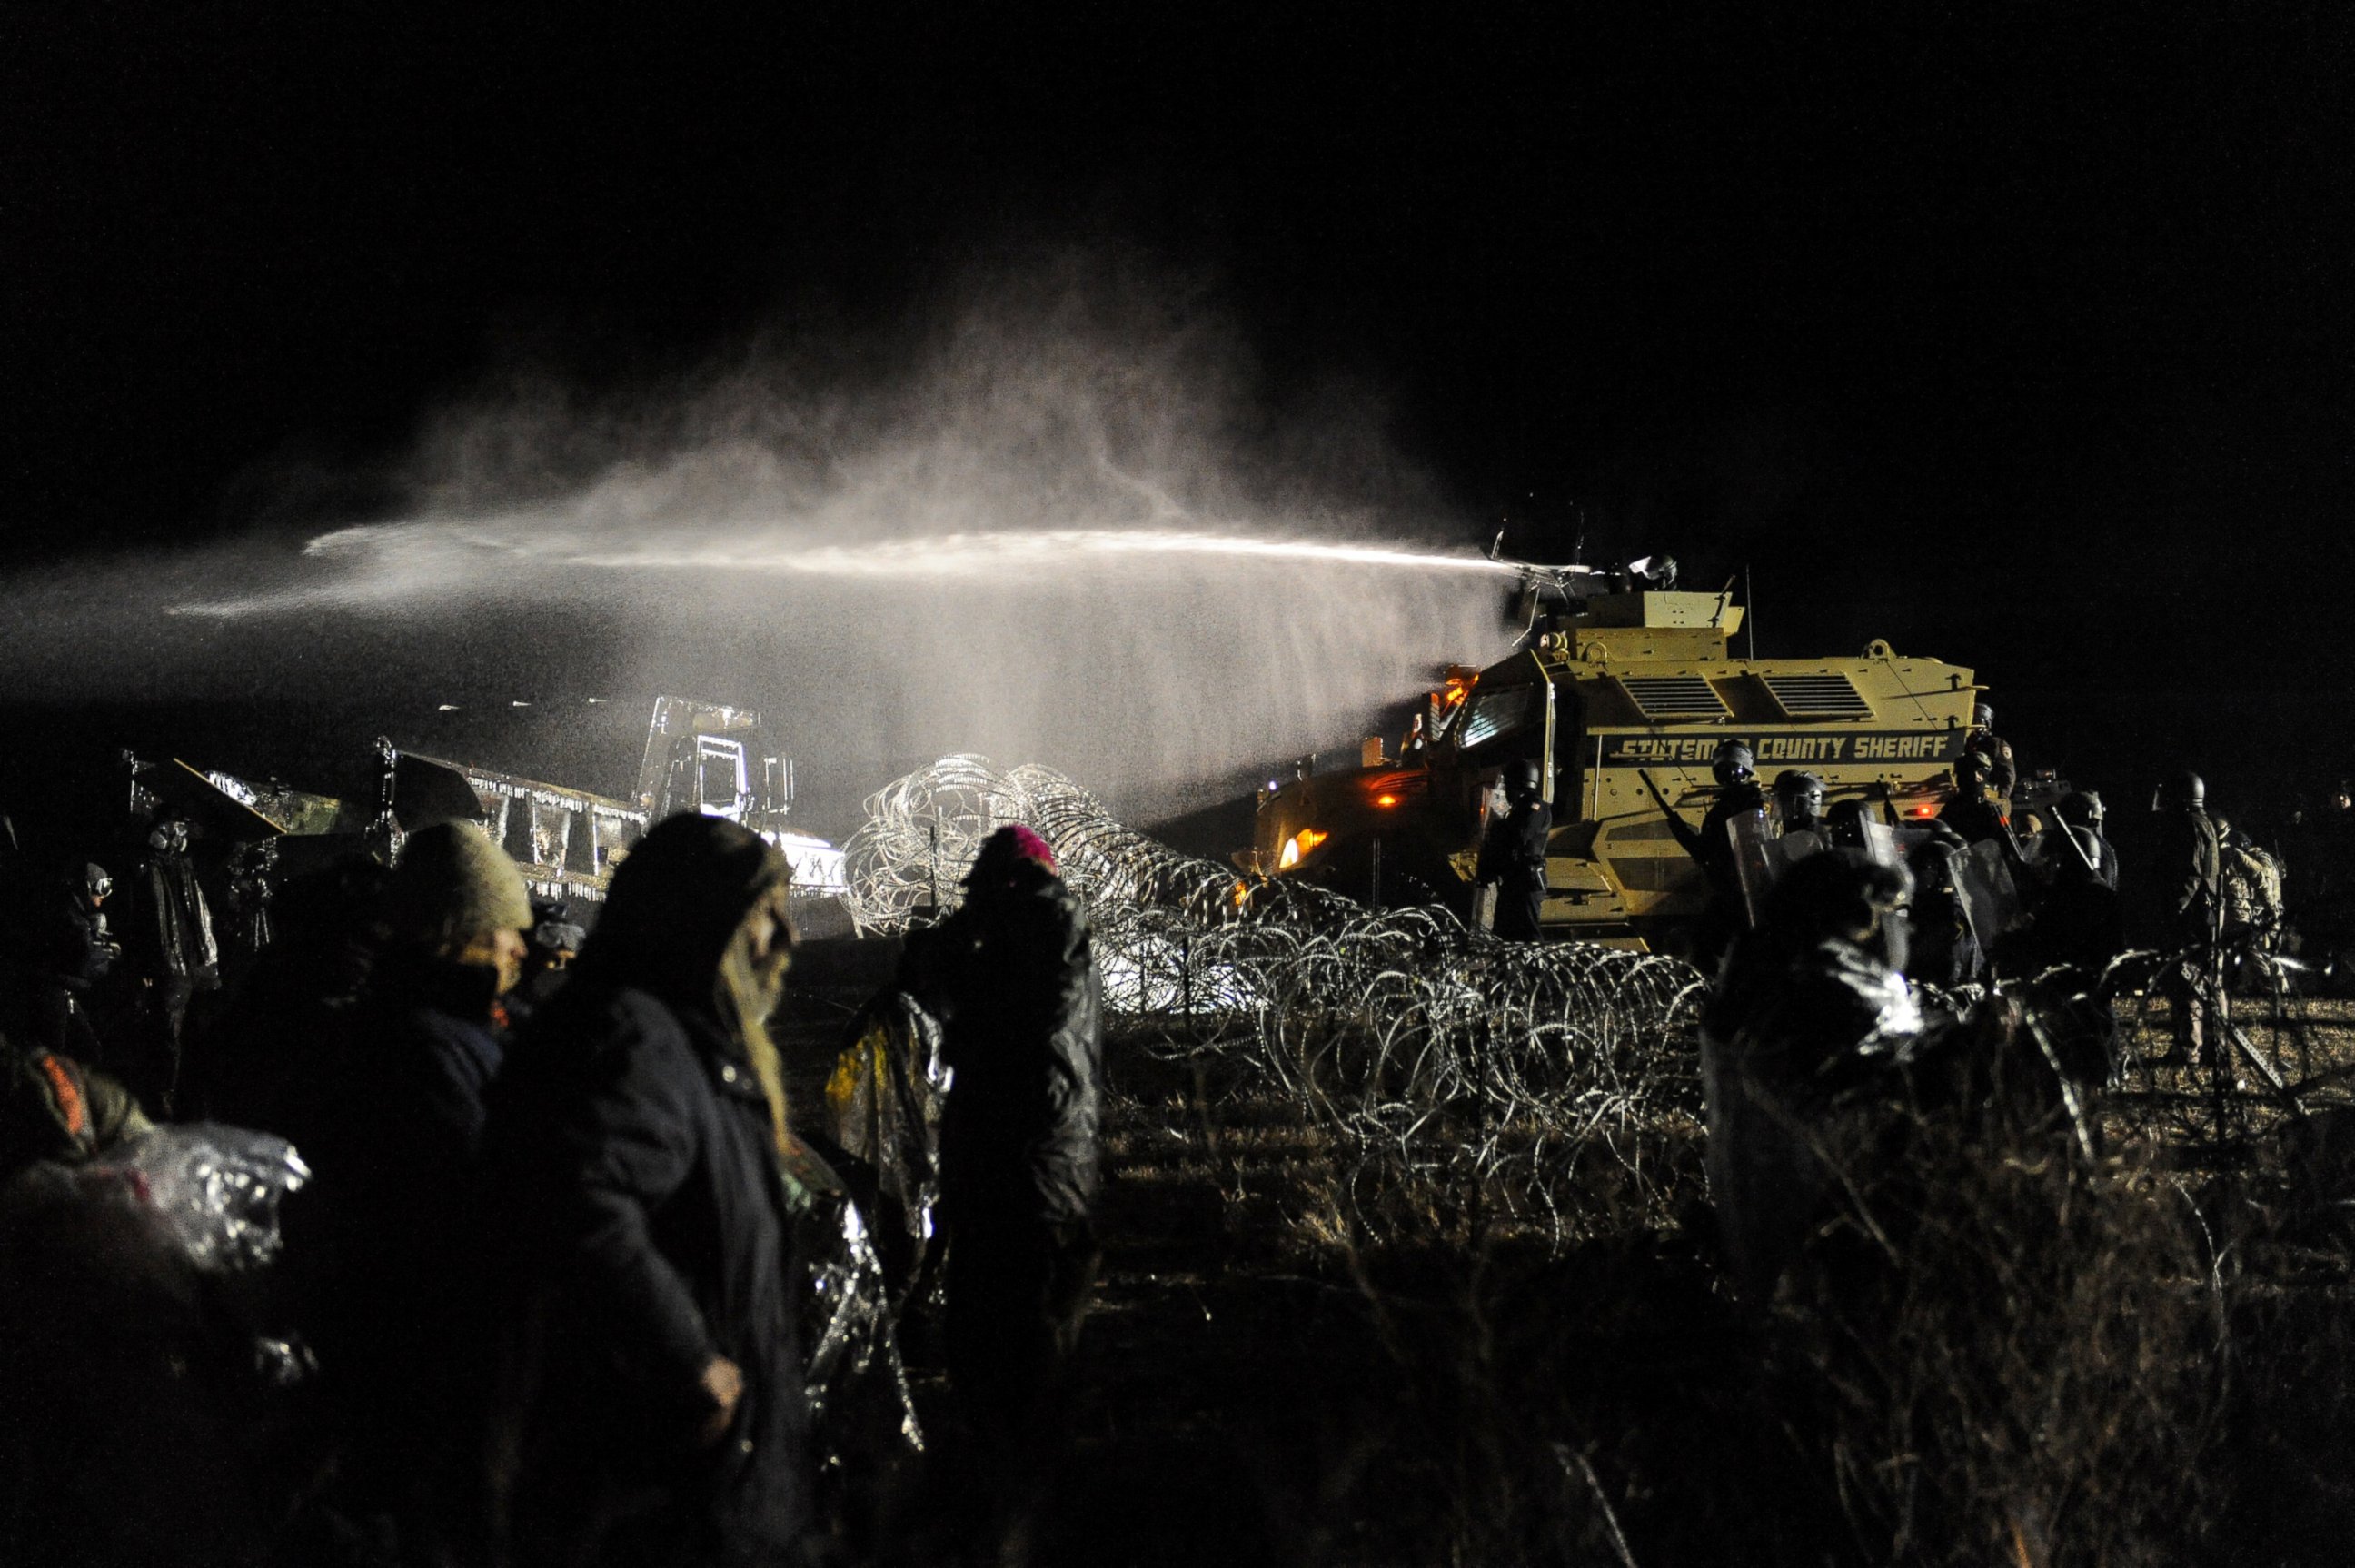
(1880, 844)
(1750, 862)
(1989, 892)
(1788, 850)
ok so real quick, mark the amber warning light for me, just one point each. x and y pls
(1298, 845)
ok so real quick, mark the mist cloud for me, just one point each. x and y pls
(1057, 520)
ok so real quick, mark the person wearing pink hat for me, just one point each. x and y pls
(1013, 978)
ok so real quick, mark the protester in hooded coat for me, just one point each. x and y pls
(431, 1028)
(651, 1406)
(1014, 977)
(379, 1241)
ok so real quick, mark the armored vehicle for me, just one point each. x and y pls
(1622, 687)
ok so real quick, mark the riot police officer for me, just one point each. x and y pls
(1710, 844)
(2003, 772)
(1799, 801)
(1736, 768)
(1513, 853)
(2185, 905)
(1975, 812)
(2083, 810)
(1739, 794)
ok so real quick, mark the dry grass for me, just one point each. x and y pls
(2024, 1357)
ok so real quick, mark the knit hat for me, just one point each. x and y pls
(1005, 849)
(452, 883)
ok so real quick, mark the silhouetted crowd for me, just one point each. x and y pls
(536, 1268)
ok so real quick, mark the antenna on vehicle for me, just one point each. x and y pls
(1749, 615)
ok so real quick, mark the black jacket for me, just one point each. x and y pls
(2079, 924)
(1013, 975)
(1711, 844)
(169, 931)
(80, 952)
(648, 1231)
(1976, 820)
(1716, 852)
(429, 1049)
(1785, 1036)
(391, 1117)
(1513, 850)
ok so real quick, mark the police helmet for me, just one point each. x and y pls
(95, 883)
(2087, 861)
(2082, 809)
(1800, 794)
(2184, 792)
(1842, 893)
(1846, 824)
(1521, 779)
(1982, 717)
(1733, 762)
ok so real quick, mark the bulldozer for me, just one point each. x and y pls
(1621, 689)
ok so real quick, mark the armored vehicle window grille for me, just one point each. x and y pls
(1496, 713)
(1819, 696)
(1674, 695)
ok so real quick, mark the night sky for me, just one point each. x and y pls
(2019, 339)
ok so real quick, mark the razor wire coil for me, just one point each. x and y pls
(1434, 1058)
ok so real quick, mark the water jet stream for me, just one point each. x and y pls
(423, 558)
